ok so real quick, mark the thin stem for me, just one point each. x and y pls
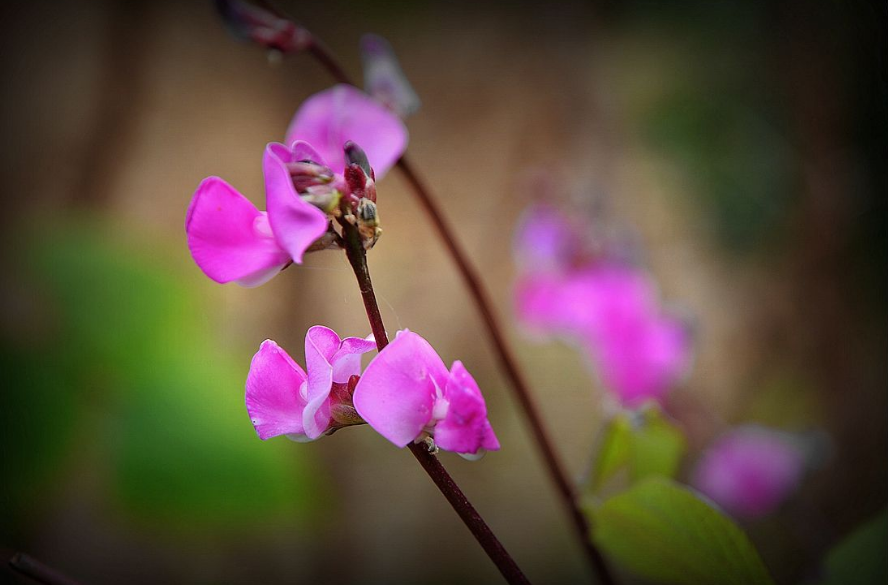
(357, 257)
(495, 333)
(510, 366)
(504, 353)
(31, 567)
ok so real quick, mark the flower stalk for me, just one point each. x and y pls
(357, 257)
(494, 331)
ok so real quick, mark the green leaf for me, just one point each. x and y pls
(615, 450)
(665, 532)
(132, 333)
(860, 557)
(644, 443)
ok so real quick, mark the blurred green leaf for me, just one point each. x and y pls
(665, 532)
(643, 443)
(860, 557)
(173, 421)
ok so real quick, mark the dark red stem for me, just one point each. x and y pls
(357, 257)
(495, 332)
(37, 571)
(510, 365)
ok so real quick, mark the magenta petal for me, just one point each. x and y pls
(750, 470)
(273, 397)
(397, 391)
(229, 238)
(321, 344)
(465, 428)
(347, 360)
(545, 239)
(328, 119)
(299, 151)
(540, 304)
(296, 223)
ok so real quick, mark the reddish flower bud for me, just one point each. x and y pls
(263, 27)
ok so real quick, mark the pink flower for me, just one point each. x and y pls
(750, 471)
(406, 391)
(612, 311)
(231, 240)
(327, 120)
(545, 240)
(283, 400)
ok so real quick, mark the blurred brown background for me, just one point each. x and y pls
(739, 145)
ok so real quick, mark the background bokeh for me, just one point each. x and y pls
(738, 146)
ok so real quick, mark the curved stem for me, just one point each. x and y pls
(495, 332)
(504, 353)
(510, 366)
(357, 257)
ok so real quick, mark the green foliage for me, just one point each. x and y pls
(643, 443)
(664, 532)
(132, 346)
(860, 558)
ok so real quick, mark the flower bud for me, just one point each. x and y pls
(359, 177)
(263, 27)
(368, 222)
(384, 79)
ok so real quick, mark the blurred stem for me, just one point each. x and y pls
(357, 257)
(31, 567)
(513, 371)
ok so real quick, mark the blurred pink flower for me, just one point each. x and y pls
(611, 310)
(327, 120)
(283, 400)
(406, 390)
(750, 471)
(545, 240)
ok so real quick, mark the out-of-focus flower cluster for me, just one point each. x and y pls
(605, 305)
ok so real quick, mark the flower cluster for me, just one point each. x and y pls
(405, 393)
(318, 175)
(610, 308)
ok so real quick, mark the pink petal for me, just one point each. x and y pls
(465, 428)
(397, 391)
(296, 223)
(273, 395)
(545, 239)
(750, 471)
(544, 305)
(328, 119)
(347, 360)
(321, 344)
(229, 238)
(298, 151)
